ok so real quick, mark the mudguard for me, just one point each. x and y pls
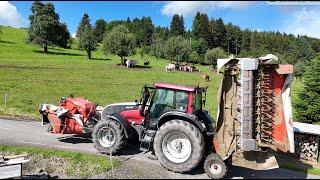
(175, 114)
(128, 130)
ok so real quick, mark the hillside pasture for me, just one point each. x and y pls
(31, 77)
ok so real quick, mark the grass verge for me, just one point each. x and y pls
(74, 164)
(287, 162)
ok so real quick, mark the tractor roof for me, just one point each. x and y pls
(174, 87)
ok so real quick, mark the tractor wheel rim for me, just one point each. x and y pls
(106, 137)
(176, 147)
(215, 168)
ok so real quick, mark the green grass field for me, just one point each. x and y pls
(32, 77)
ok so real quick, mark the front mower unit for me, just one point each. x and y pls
(72, 116)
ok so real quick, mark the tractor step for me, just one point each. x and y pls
(147, 140)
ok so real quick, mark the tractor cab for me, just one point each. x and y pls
(163, 98)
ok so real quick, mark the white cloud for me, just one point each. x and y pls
(73, 35)
(190, 8)
(304, 22)
(9, 15)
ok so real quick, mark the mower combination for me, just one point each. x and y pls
(254, 115)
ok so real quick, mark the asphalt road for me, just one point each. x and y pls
(32, 133)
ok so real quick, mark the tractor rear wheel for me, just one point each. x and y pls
(108, 137)
(215, 167)
(179, 145)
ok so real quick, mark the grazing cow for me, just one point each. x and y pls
(206, 77)
(146, 63)
(177, 66)
(170, 67)
(130, 63)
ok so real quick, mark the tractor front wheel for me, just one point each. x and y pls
(108, 137)
(215, 167)
(179, 145)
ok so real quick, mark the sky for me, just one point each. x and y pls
(303, 19)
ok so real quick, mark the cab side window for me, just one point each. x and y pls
(181, 101)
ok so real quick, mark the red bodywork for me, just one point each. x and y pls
(132, 116)
(66, 124)
(174, 87)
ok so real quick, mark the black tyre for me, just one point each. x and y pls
(215, 167)
(179, 146)
(108, 137)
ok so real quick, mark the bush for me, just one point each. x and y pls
(212, 55)
(307, 106)
(177, 49)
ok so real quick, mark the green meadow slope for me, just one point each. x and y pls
(32, 77)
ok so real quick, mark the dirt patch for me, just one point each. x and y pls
(136, 68)
(132, 169)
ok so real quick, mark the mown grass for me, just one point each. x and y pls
(77, 164)
(32, 77)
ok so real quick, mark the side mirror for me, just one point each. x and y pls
(136, 101)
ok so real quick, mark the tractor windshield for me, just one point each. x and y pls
(165, 100)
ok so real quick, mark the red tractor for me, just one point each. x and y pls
(169, 120)
(254, 117)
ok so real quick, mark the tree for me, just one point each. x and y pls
(245, 40)
(195, 57)
(253, 43)
(305, 51)
(84, 23)
(218, 31)
(99, 29)
(142, 52)
(200, 28)
(200, 46)
(45, 28)
(212, 55)
(307, 106)
(87, 41)
(142, 29)
(177, 49)
(177, 25)
(161, 32)
(120, 42)
(315, 45)
(63, 37)
(157, 48)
